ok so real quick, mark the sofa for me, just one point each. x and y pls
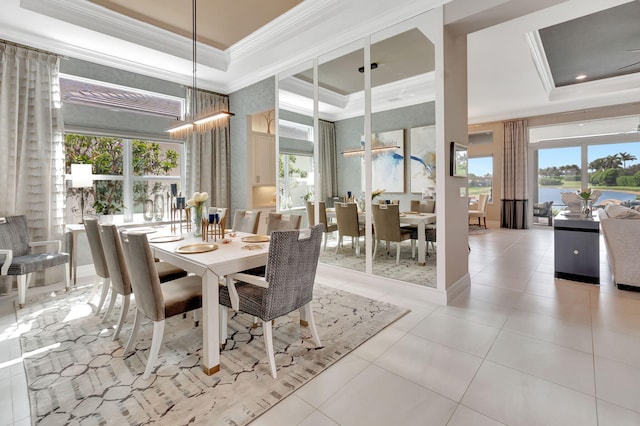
(621, 229)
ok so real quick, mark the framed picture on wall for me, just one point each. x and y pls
(387, 161)
(422, 159)
(459, 160)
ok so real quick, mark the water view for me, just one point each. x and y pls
(553, 194)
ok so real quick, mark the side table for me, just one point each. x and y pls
(577, 248)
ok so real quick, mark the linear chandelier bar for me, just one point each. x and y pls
(376, 150)
(204, 122)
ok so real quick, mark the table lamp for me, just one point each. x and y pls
(81, 177)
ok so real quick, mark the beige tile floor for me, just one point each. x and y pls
(518, 348)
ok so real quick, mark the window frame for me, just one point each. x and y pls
(127, 177)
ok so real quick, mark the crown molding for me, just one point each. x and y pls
(292, 41)
(402, 93)
(104, 21)
(539, 57)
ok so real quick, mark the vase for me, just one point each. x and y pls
(158, 207)
(147, 213)
(586, 208)
(197, 221)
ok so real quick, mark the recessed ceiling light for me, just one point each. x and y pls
(581, 77)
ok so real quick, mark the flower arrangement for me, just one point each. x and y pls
(376, 193)
(585, 194)
(589, 194)
(197, 202)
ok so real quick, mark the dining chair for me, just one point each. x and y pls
(386, 222)
(286, 287)
(282, 222)
(423, 206)
(426, 206)
(481, 211)
(328, 226)
(246, 221)
(154, 301)
(17, 257)
(99, 262)
(348, 224)
(119, 273)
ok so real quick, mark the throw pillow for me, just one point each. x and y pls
(621, 212)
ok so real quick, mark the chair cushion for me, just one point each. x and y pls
(250, 299)
(331, 227)
(35, 262)
(168, 272)
(182, 295)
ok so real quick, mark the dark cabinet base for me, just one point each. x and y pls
(577, 250)
(577, 277)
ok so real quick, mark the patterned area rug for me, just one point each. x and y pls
(77, 375)
(385, 263)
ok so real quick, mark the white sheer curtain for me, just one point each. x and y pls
(328, 167)
(208, 154)
(514, 176)
(31, 140)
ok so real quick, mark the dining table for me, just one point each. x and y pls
(231, 254)
(420, 220)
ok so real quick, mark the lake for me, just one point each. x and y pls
(553, 194)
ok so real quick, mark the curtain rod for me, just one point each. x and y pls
(24, 46)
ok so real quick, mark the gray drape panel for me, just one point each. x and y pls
(514, 176)
(208, 153)
(31, 140)
(328, 160)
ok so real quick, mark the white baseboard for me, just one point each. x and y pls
(458, 287)
(372, 286)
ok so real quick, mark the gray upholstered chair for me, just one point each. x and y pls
(281, 222)
(17, 258)
(481, 210)
(386, 222)
(287, 285)
(544, 210)
(154, 301)
(311, 215)
(119, 273)
(348, 224)
(246, 221)
(99, 262)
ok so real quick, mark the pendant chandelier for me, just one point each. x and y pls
(197, 123)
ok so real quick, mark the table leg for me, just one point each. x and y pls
(422, 244)
(210, 326)
(74, 257)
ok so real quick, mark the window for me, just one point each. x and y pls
(295, 164)
(296, 180)
(126, 173)
(481, 176)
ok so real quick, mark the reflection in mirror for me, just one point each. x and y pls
(403, 164)
(296, 171)
(403, 149)
(341, 112)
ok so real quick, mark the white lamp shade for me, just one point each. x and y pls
(81, 176)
